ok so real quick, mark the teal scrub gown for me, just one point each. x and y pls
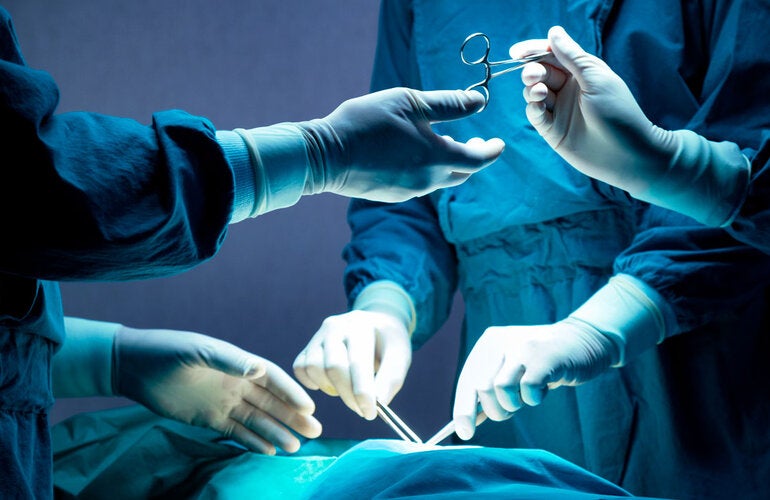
(84, 196)
(529, 239)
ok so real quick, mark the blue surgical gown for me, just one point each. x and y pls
(529, 239)
(752, 224)
(89, 197)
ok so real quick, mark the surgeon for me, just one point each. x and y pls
(563, 276)
(589, 116)
(85, 196)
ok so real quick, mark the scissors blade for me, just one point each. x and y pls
(395, 423)
(449, 429)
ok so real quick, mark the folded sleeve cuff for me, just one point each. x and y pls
(631, 313)
(281, 162)
(388, 297)
(243, 172)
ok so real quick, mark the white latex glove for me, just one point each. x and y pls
(381, 146)
(511, 366)
(588, 115)
(360, 356)
(207, 382)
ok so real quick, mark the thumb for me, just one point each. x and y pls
(233, 360)
(445, 105)
(571, 55)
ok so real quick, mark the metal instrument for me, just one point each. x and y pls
(449, 429)
(398, 425)
(483, 85)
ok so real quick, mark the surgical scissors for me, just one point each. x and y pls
(398, 425)
(483, 85)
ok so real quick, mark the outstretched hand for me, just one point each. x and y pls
(207, 382)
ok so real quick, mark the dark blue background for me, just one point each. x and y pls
(241, 64)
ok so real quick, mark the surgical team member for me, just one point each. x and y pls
(186, 376)
(85, 196)
(564, 276)
(589, 116)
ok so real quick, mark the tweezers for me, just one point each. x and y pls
(398, 425)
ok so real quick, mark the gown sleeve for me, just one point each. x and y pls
(705, 273)
(752, 224)
(401, 242)
(93, 197)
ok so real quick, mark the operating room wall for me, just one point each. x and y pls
(241, 64)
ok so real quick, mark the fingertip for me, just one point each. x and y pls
(367, 411)
(480, 152)
(564, 47)
(516, 50)
(557, 33)
(490, 150)
(291, 446)
(464, 428)
(329, 390)
(476, 97)
(497, 144)
(533, 395)
(315, 429)
(523, 48)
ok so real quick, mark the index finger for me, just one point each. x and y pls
(520, 50)
(464, 412)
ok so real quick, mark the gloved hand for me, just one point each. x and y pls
(511, 366)
(207, 382)
(381, 146)
(588, 115)
(360, 356)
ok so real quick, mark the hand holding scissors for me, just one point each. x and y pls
(483, 85)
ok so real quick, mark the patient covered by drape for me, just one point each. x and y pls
(131, 453)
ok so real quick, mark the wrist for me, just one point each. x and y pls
(271, 167)
(325, 153)
(390, 298)
(595, 340)
(83, 366)
(629, 313)
(705, 180)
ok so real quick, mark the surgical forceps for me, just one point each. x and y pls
(483, 85)
(449, 429)
(398, 425)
